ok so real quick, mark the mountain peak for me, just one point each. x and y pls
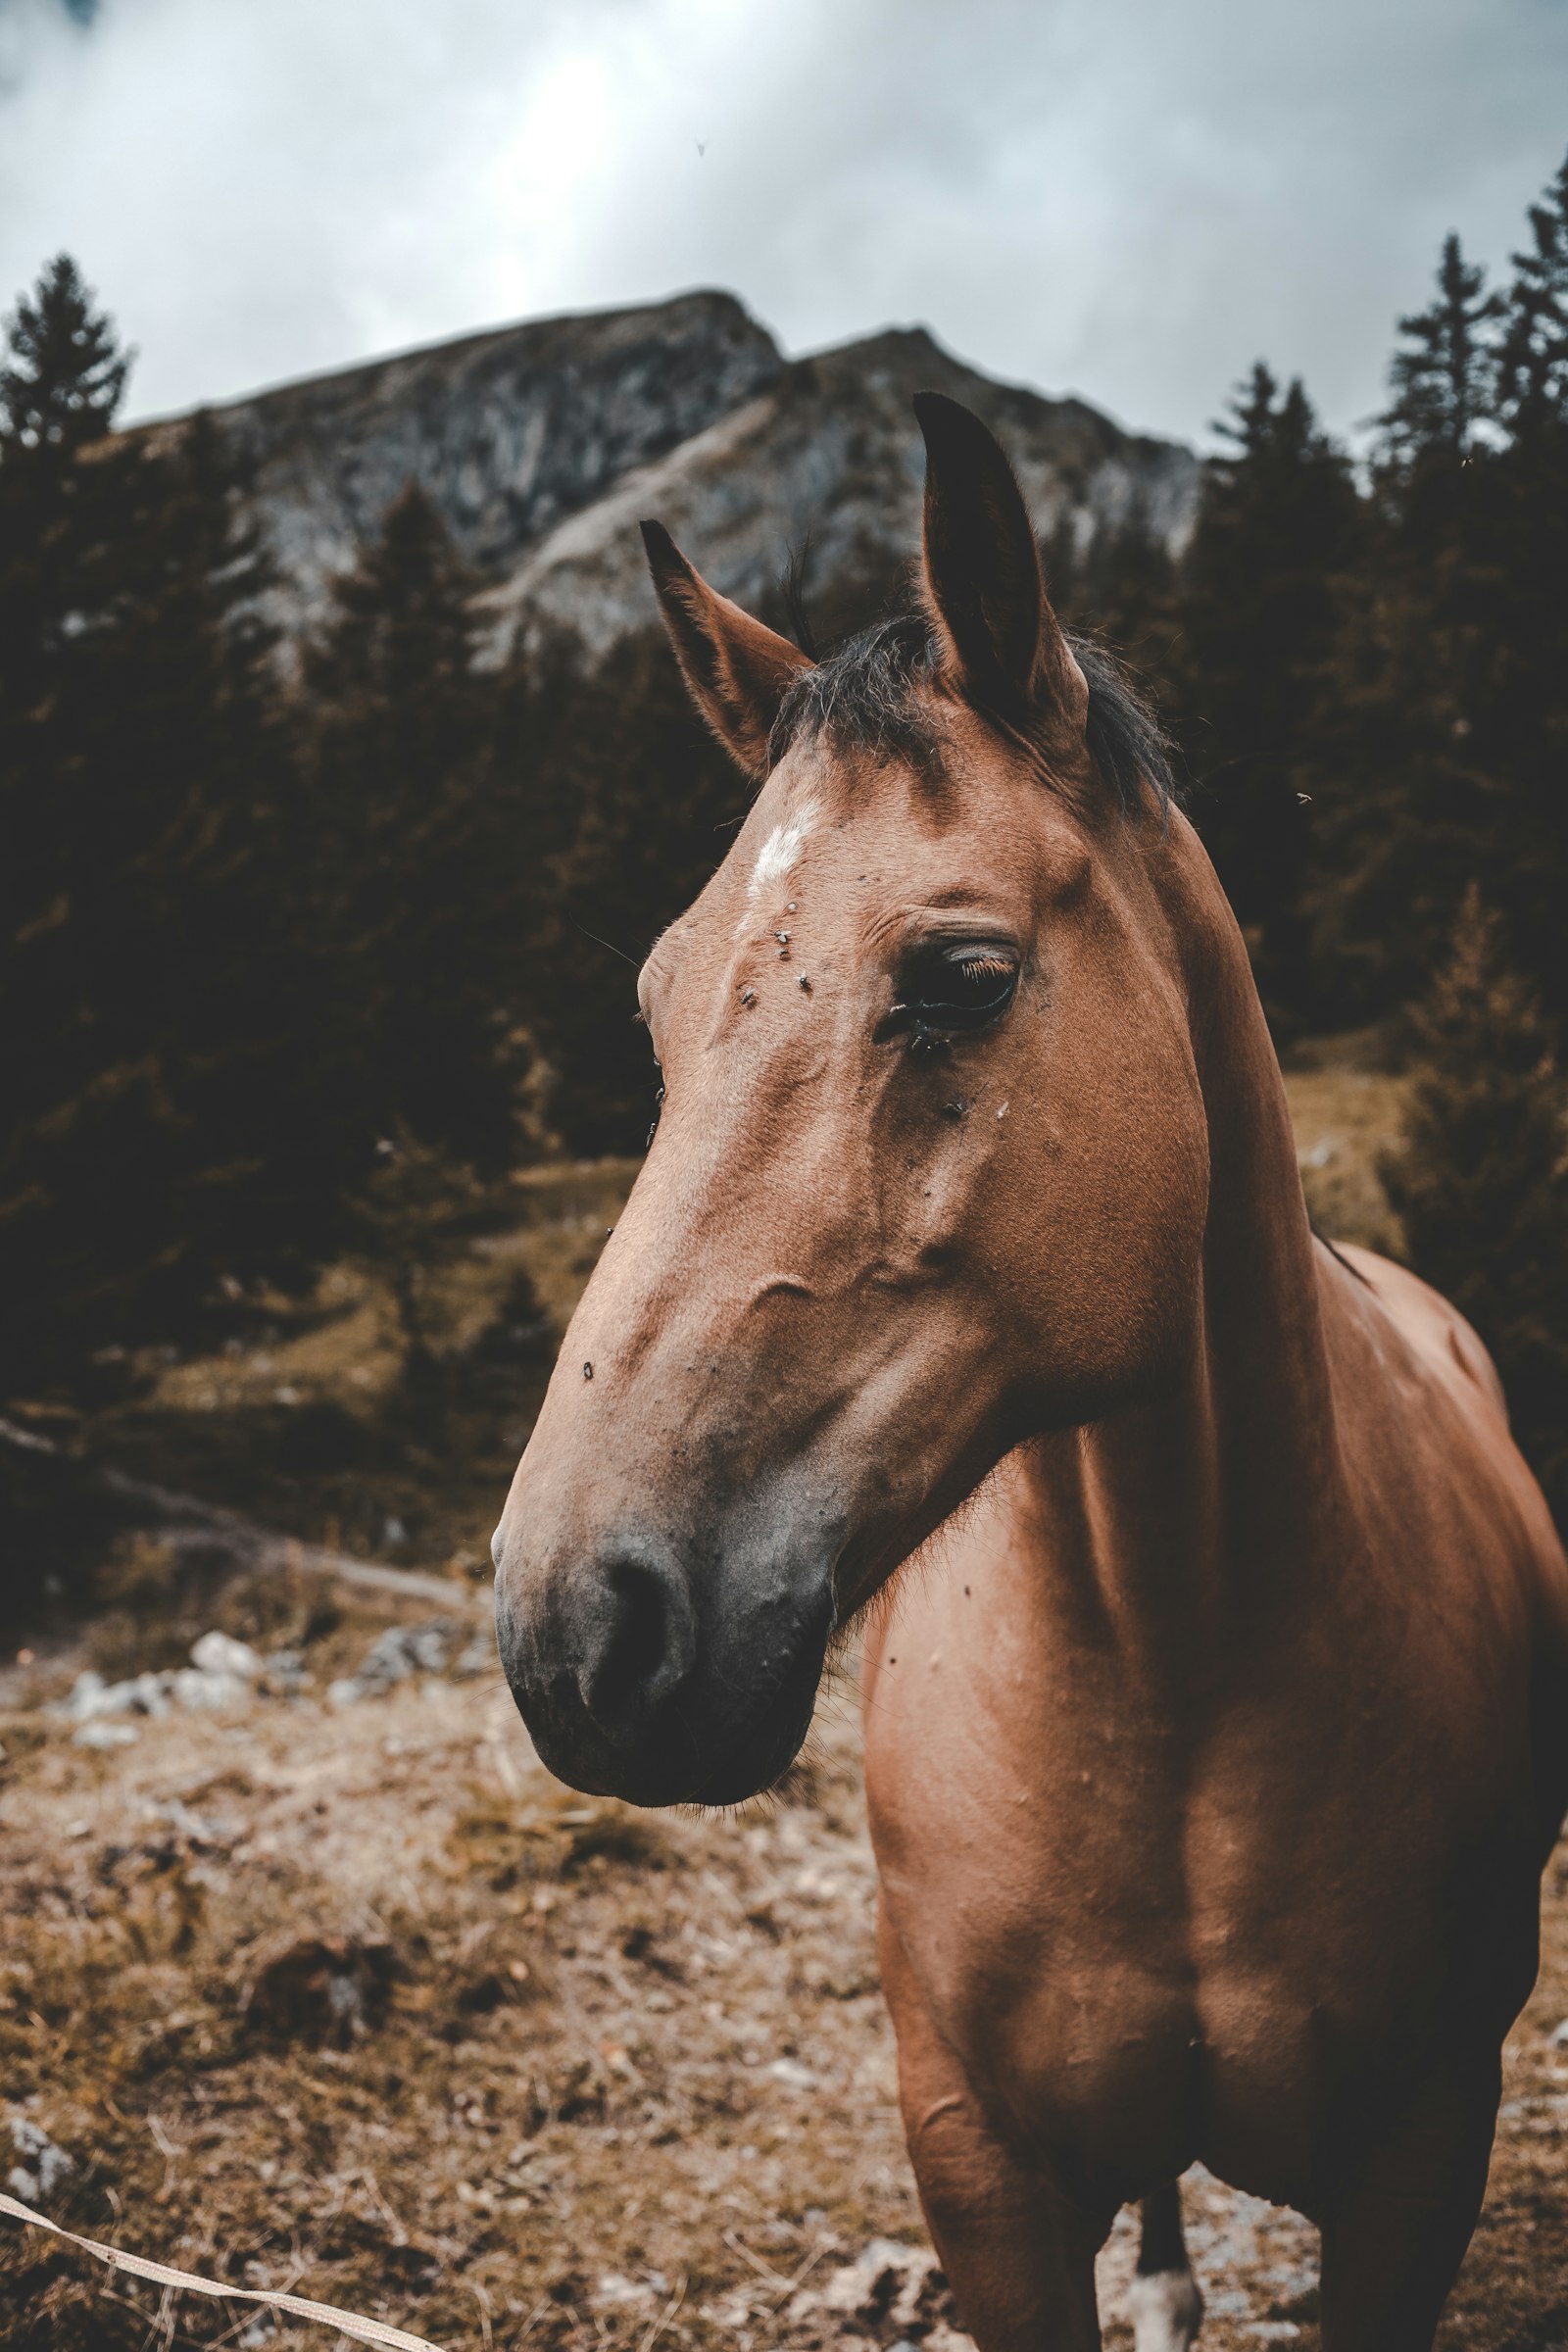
(509, 431)
(540, 444)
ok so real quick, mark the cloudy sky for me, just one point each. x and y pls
(1127, 198)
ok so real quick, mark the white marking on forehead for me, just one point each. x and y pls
(782, 849)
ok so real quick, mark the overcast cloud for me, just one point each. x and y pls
(1130, 199)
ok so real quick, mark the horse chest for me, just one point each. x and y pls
(1115, 2020)
(1138, 1964)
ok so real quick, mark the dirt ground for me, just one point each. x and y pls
(346, 1994)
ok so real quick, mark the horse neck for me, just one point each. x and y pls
(1192, 1508)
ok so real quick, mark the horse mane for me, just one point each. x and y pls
(869, 694)
(1127, 739)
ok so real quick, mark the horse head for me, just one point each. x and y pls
(930, 1174)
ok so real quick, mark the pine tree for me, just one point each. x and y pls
(1522, 714)
(651, 799)
(1398, 796)
(1123, 588)
(65, 375)
(1279, 524)
(66, 503)
(1481, 1179)
(414, 1215)
(63, 522)
(1532, 353)
(1444, 380)
(154, 1029)
(407, 867)
(1441, 754)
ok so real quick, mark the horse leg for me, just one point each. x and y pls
(1019, 2255)
(1395, 2232)
(1163, 2302)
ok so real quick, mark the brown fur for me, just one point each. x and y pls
(1215, 1750)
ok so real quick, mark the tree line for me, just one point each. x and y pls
(258, 918)
(268, 914)
(1365, 665)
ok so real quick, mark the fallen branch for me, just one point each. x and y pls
(184, 1521)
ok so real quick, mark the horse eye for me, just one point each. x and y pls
(953, 991)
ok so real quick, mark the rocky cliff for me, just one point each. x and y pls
(543, 443)
(826, 459)
(509, 431)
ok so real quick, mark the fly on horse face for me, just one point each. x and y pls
(1218, 1736)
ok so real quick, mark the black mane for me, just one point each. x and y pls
(1126, 739)
(869, 695)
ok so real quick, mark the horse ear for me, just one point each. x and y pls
(738, 671)
(1003, 645)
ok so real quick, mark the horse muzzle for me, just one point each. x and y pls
(645, 1677)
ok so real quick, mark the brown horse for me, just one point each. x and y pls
(1217, 1742)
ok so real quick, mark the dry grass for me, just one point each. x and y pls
(1347, 1110)
(586, 2061)
(557, 2098)
(304, 1419)
(549, 2073)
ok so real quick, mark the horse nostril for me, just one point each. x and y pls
(640, 1643)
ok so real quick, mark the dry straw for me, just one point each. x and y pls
(300, 2307)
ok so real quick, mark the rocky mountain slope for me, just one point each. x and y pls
(542, 444)
(508, 431)
(826, 459)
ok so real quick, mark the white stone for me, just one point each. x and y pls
(196, 1689)
(44, 2165)
(141, 1694)
(220, 1653)
(792, 2073)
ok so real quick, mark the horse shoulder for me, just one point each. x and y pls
(1424, 1429)
(1434, 1327)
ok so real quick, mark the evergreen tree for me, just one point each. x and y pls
(65, 375)
(1398, 795)
(1123, 588)
(63, 524)
(1279, 524)
(67, 499)
(154, 1029)
(1520, 704)
(1444, 379)
(1481, 1180)
(1441, 754)
(406, 862)
(1532, 354)
(653, 800)
(416, 1212)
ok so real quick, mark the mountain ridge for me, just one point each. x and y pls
(825, 463)
(542, 443)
